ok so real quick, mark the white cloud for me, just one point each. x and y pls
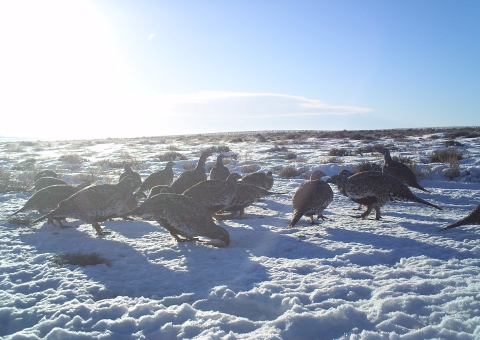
(151, 36)
(244, 104)
(107, 114)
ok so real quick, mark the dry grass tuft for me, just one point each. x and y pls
(21, 219)
(366, 166)
(446, 155)
(72, 158)
(80, 259)
(17, 181)
(171, 156)
(290, 172)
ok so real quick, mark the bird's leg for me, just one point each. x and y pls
(175, 235)
(312, 220)
(59, 220)
(365, 213)
(377, 213)
(242, 211)
(322, 217)
(99, 229)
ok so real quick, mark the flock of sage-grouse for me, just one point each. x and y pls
(186, 207)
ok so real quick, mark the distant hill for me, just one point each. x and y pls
(8, 138)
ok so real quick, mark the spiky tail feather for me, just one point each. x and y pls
(18, 211)
(463, 221)
(419, 200)
(421, 188)
(297, 215)
(48, 215)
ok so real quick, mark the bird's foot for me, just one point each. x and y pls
(322, 217)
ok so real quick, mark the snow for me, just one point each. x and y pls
(345, 278)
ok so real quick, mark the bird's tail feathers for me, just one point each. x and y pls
(297, 215)
(454, 225)
(18, 211)
(420, 200)
(47, 215)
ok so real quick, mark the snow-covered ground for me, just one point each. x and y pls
(345, 278)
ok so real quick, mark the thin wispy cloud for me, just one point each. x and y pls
(151, 36)
(166, 113)
(242, 104)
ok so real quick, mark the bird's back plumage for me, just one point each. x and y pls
(215, 194)
(162, 177)
(374, 189)
(189, 178)
(400, 171)
(219, 170)
(260, 179)
(181, 215)
(310, 198)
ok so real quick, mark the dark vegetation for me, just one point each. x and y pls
(80, 259)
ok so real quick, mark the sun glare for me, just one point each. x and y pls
(56, 61)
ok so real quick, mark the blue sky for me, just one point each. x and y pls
(90, 69)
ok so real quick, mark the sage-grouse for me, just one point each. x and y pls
(189, 178)
(133, 174)
(162, 177)
(47, 199)
(44, 182)
(311, 198)
(374, 189)
(400, 171)
(260, 179)
(219, 170)
(181, 216)
(95, 203)
(44, 173)
(245, 195)
(158, 189)
(215, 194)
(130, 204)
(348, 173)
(472, 218)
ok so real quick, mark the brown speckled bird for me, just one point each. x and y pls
(472, 218)
(311, 198)
(133, 174)
(47, 199)
(181, 216)
(246, 195)
(215, 194)
(400, 171)
(375, 189)
(260, 179)
(130, 204)
(44, 182)
(44, 173)
(189, 178)
(95, 203)
(162, 177)
(219, 170)
(158, 189)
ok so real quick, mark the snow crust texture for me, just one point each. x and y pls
(345, 278)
